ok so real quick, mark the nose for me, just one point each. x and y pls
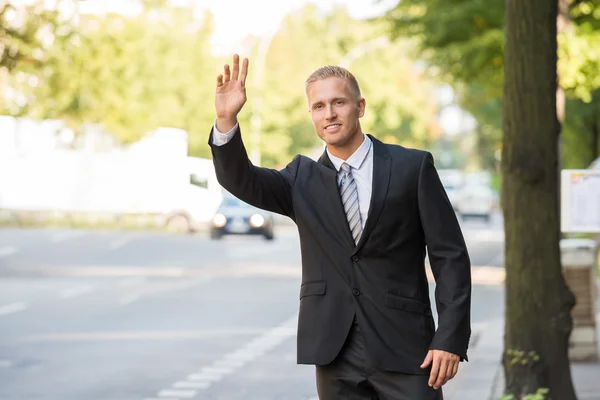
(330, 112)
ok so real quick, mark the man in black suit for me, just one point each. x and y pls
(366, 212)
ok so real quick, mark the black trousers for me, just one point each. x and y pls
(349, 377)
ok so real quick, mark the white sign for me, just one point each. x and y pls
(580, 200)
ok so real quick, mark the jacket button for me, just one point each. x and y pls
(354, 258)
(355, 292)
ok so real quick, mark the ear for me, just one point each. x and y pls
(362, 104)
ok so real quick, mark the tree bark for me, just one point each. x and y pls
(538, 301)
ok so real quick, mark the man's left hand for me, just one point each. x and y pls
(444, 367)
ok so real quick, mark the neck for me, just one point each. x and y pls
(345, 151)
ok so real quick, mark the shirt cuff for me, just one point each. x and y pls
(219, 138)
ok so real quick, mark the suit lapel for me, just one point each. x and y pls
(332, 194)
(382, 168)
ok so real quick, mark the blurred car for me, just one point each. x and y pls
(476, 201)
(453, 194)
(452, 179)
(235, 217)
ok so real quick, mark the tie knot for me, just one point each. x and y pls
(345, 168)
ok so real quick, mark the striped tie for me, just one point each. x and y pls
(349, 194)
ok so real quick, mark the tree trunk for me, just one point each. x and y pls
(538, 302)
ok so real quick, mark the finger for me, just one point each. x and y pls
(236, 67)
(227, 73)
(244, 72)
(219, 80)
(455, 369)
(450, 370)
(435, 369)
(428, 359)
(441, 378)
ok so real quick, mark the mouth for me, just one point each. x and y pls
(332, 127)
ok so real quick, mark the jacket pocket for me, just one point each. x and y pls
(406, 303)
(313, 288)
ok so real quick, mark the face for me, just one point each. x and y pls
(335, 111)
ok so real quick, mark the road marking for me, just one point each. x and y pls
(164, 398)
(191, 385)
(7, 251)
(240, 357)
(12, 308)
(62, 236)
(229, 332)
(6, 363)
(187, 394)
(76, 291)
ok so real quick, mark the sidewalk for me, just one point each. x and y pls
(482, 378)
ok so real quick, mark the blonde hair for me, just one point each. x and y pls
(333, 71)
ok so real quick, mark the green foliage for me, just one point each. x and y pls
(400, 101)
(581, 132)
(540, 394)
(128, 75)
(20, 29)
(462, 42)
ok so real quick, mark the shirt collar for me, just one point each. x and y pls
(356, 159)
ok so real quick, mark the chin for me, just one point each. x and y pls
(335, 139)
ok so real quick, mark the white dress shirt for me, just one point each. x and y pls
(361, 162)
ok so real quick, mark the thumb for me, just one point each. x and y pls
(428, 359)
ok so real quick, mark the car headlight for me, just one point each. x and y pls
(219, 220)
(257, 220)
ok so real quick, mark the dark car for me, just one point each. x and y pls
(234, 217)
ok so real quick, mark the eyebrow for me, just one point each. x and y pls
(332, 100)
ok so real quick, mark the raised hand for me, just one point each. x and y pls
(230, 94)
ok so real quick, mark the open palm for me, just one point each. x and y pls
(230, 94)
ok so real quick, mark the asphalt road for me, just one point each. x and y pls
(89, 315)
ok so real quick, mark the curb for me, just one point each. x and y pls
(479, 377)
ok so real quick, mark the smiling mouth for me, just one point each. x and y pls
(332, 126)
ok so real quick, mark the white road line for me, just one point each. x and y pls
(191, 385)
(76, 291)
(7, 251)
(164, 398)
(187, 394)
(224, 366)
(12, 308)
(62, 236)
(6, 363)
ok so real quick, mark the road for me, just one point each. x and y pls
(108, 315)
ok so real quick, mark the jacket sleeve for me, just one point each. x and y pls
(449, 261)
(265, 188)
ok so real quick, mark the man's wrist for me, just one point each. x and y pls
(226, 124)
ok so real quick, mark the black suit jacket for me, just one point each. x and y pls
(382, 280)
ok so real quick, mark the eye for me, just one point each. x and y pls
(318, 106)
(339, 102)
